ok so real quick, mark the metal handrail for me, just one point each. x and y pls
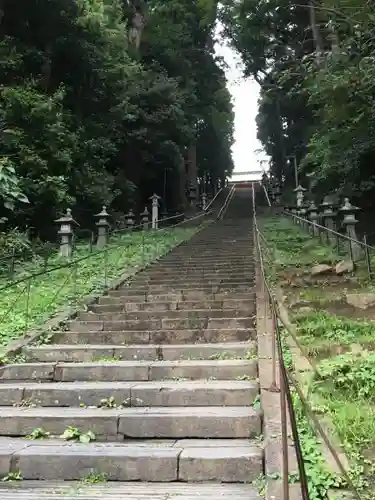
(71, 263)
(226, 202)
(328, 230)
(285, 392)
(213, 199)
(290, 379)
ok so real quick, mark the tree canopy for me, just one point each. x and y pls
(106, 101)
(315, 63)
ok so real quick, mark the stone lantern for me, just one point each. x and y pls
(312, 213)
(66, 233)
(191, 193)
(349, 211)
(155, 210)
(328, 216)
(103, 228)
(130, 219)
(204, 201)
(277, 193)
(145, 218)
(299, 190)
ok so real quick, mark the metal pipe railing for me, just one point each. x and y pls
(213, 199)
(226, 202)
(287, 380)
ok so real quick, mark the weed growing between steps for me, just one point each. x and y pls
(20, 310)
(327, 328)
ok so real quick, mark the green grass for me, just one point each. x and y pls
(30, 301)
(322, 328)
(293, 247)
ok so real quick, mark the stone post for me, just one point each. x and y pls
(130, 219)
(299, 190)
(314, 217)
(348, 210)
(145, 219)
(328, 217)
(103, 228)
(66, 233)
(277, 193)
(204, 201)
(303, 215)
(155, 210)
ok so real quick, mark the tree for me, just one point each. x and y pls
(101, 98)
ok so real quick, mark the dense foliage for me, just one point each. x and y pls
(315, 63)
(107, 101)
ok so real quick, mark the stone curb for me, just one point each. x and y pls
(69, 313)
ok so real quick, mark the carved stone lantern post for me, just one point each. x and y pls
(328, 217)
(145, 219)
(349, 211)
(130, 219)
(155, 210)
(277, 193)
(204, 201)
(66, 233)
(103, 228)
(313, 216)
(299, 190)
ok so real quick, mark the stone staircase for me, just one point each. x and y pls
(162, 371)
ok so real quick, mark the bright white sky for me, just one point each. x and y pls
(245, 95)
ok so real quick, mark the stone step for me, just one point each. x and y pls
(162, 323)
(87, 353)
(170, 461)
(129, 394)
(118, 305)
(131, 370)
(189, 287)
(192, 278)
(173, 297)
(171, 336)
(146, 423)
(227, 270)
(196, 283)
(220, 258)
(68, 490)
(97, 314)
(192, 275)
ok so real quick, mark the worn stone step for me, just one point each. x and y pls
(162, 323)
(196, 284)
(197, 460)
(244, 304)
(87, 353)
(154, 393)
(131, 370)
(186, 296)
(192, 275)
(152, 423)
(170, 336)
(97, 314)
(220, 258)
(47, 490)
(194, 278)
(189, 287)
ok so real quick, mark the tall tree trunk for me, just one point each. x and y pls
(315, 31)
(137, 22)
(192, 169)
(182, 202)
(1, 12)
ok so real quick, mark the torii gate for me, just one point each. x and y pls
(245, 178)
